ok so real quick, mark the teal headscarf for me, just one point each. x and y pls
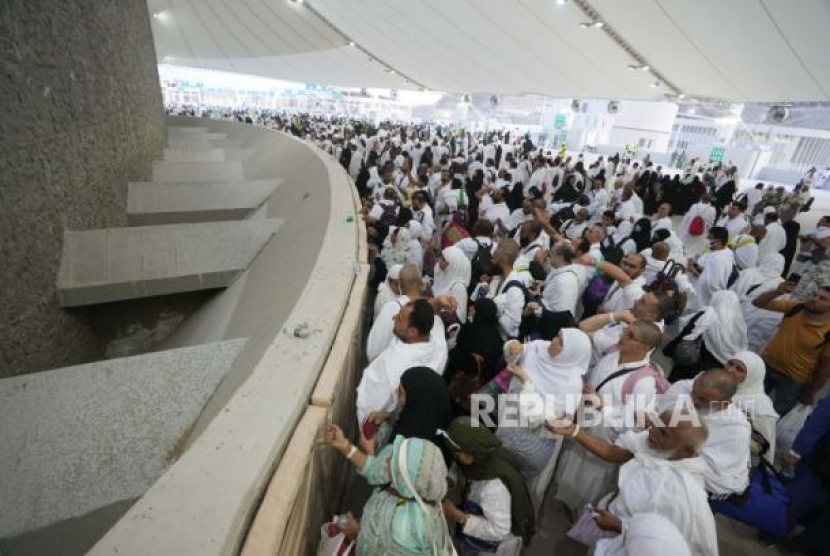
(399, 525)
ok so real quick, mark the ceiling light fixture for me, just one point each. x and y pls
(681, 95)
(561, 2)
(655, 84)
(592, 25)
(636, 67)
(351, 43)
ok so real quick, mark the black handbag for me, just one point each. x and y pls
(685, 352)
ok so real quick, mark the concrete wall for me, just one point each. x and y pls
(81, 117)
(306, 274)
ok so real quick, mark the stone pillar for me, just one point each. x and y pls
(81, 117)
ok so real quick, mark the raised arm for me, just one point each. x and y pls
(764, 301)
(597, 446)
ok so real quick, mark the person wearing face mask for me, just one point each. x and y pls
(726, 452)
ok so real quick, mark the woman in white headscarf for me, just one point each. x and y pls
(722, 327)
(760, 323)
(452, 276)
(416, 248)
(645, 535)
(388, 290)
(749, 370)
(548, 381)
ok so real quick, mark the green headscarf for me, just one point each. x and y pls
(494, 462)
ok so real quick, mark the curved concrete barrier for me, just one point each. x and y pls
(306, 274)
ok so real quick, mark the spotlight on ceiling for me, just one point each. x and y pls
(638, 67)
(297, 1)
(561, 2)
(351, 43)
(592, 25)
(655, 84)
(681, 96)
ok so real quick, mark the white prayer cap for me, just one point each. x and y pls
(759, 220)
(459, 160)
(394, 272)
(770, 210)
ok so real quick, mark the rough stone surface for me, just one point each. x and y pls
(114, 264)
(82, 116)
(75, 439)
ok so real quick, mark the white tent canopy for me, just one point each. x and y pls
(739, 50)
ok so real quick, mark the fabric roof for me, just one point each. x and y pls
(739, 50)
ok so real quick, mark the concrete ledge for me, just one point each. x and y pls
(165, 171)
(288, 520)
(274, 524)
(151, 203)
(190, 155)
(127, 263)
(79, 438)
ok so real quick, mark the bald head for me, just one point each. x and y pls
(410, 279)
(647, 333)
(712, 391)
(718, 380)
(507, 252)
(660, 250)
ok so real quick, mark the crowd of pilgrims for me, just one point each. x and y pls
(503, 268)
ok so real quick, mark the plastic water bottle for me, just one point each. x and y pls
(341, 520)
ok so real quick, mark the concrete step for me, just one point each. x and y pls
(186, 130)
(165, 171)
(151, 203)
(76, 439)
(195, 144)
(114, 264)
(172, 154)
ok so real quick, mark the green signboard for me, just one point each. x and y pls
(560, 121)
(717, 154)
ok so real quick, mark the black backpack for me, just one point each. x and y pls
(481, 264)
(733, 276)
(517, 284)
(565, 214)
(611, 252)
